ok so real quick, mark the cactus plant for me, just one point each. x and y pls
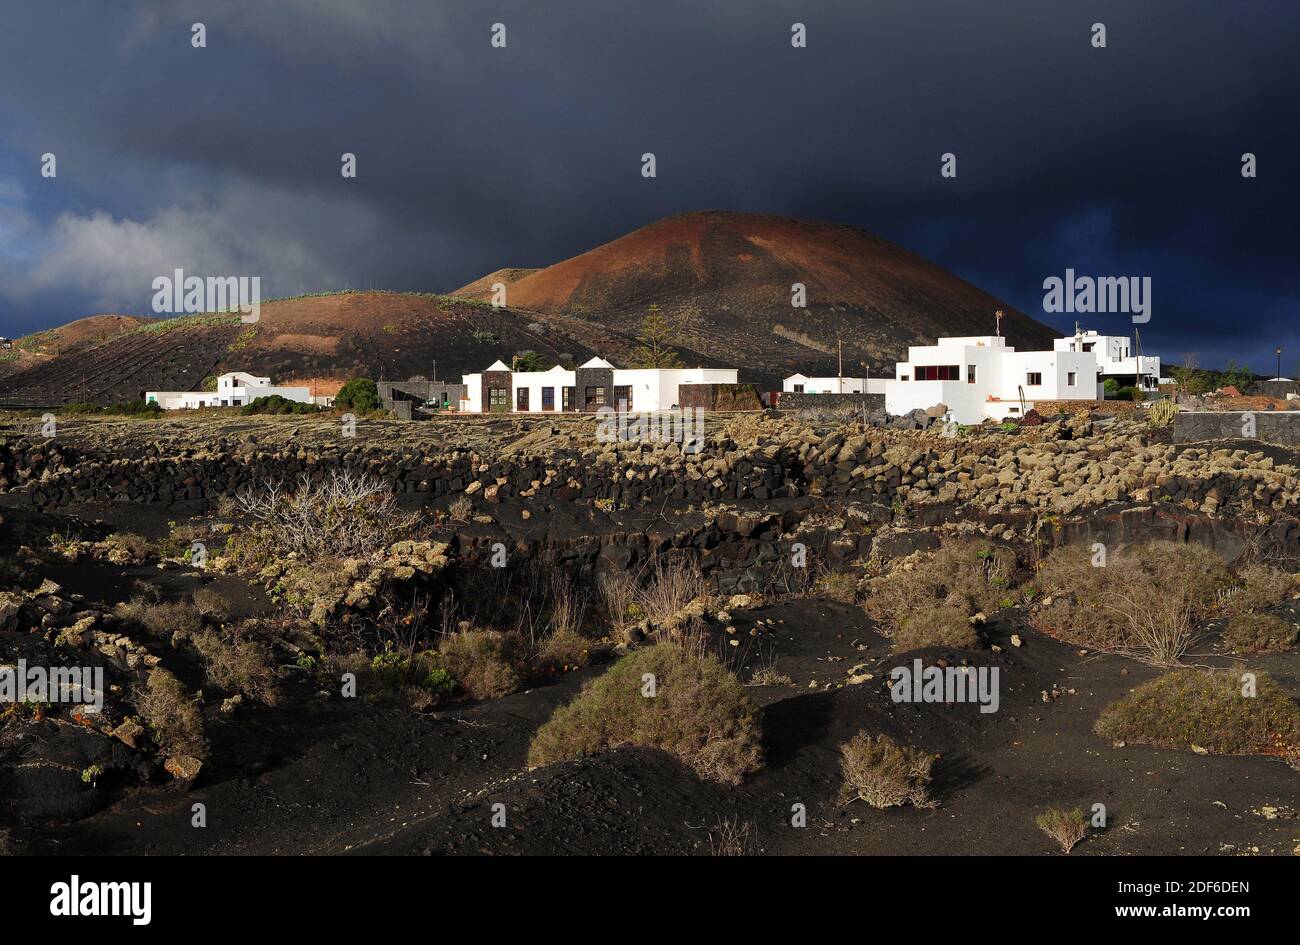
(1162, 413)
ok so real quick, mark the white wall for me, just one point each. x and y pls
(826, 385)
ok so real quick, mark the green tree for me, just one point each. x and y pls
(656, 336)
(531, 361)
(360, 393)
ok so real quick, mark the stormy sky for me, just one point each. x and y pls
(1122, 161)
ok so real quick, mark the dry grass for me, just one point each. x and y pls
(460, 510)
(698, 713)
(884, 774)
(238, 665)
(487, 664)
(211, 604)
(935, 626)
(618, 594)
(1149, 602)
(161, 619)
(1208, 710)
(730, 837)
(1066, 827)
(838, 585)
(1259, 633)
(670, 588)
(564, 650)
(172, 715)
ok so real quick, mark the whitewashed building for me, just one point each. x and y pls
(1115, 360)
(234, 389)
(982, 377)
(592, 385)
(802, 384)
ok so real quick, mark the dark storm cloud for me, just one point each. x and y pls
(1120, 161)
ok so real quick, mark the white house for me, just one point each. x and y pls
(234, 389)
(592, 385)
(802, 384)
(1115, 360)
(981, 377)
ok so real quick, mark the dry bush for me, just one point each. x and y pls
(460, 510)
(883, 773)
(1207, 709)
(730, 837)
(1262, 586)
(935, 626)
(211, 604)
(346, 514)
(564, 650)
(131, 547)
(172, 715)
(161, 619)
(670, 588)
(1259, 633)
(1149, 601)
(838, 585)
(486, 663)
(968, 574)
(1066, 827)
(698, 713)
(239, 665)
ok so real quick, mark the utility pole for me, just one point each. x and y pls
(840, 376)
(1279, 362)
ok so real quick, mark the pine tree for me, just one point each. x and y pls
(656, 334)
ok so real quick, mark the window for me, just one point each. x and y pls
(623, 396)
(1088, 346)
(1034, 379)
(521, 399)
(970, 374)
(548, 398)
(498, 399)
(567, 394)
(595, 396)
(938, 372)
(1069, 378)
(798, 388)
(903, 377)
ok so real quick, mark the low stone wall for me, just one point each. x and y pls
(792, 401)
(1281, 427)
(719, 396)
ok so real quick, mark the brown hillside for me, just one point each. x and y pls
(312, 339)
(728, 275)
(482, 288)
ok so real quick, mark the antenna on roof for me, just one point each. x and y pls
(998, 315)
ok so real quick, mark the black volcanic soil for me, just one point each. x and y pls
(322, 775)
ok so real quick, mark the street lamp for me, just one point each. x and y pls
(1278, 352)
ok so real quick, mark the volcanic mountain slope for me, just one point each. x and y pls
(84, 333)
(729, 277)
(375, 334)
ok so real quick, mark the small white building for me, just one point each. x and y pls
(802, 384)
(234, 389)
(592, 385)
(1115, 360)
(982, 377)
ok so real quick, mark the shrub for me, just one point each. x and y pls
(883, 773)
(359, 394)
(211, 604)
(1262, 586)
(970, 575)
(838, 585)
(346, 514)
(424, 670)
(1066, 827)
(1206, 709)
(618, 594)
(161, 619)
(238, 665)
(564, 649)
(172, 715)
(1258, 633)
(276, 404)
(935, 626)
(698, 713)
(486, 663)
(1148, 602)
(670, 588)
(460, 510)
